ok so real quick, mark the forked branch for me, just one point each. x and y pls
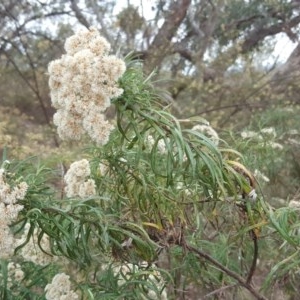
(225, 270)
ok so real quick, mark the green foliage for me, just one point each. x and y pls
(165, 192)
(270, 145)
(240, 17)
(32, 284)
(272, 148)
(163, 186)
(130, 21)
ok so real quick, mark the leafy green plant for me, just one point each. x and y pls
(160, 208)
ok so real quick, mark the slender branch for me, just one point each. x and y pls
(48, 15)
(99, 13)
(258, 34)
(227, 271)
(215, 292)
(255, 256)
(36, 93)
(35, 86)
(162, 41)
(78, 14)
(236, 105)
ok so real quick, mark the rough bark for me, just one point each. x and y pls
(161, 44)
(78, 14)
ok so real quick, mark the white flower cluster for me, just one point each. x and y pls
(15, 273)
(126, 271)
(269, 131)
(60, 288)
(161, 146)
(248, 134)
(293, 140)
(8, 195)
(32, 251)
(208, 131)
(265, 135)
(76, 180)
(82, 83)
(9, 210)
(294, 204)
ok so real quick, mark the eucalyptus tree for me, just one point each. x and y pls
(199, 44)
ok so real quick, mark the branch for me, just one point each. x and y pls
(238, 106)
(237, 24)
(99, 13)
(255, 256)
(79, 15)
(258, 34)
(162, 41)
(289, 70)
(225, 270)
(39, 16)
(219, 290)
(34, 88)
(182, 51)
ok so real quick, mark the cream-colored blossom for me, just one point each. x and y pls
(9, 210)
(12, 211)
(60, 288)
(113, 67)
(87, 39)
(275, 145)
(15, 273)
(80, 168)
(99, 46)
(8, 194)
(293, 141)
(56, 70)
(32, 251)
(269, 131)
(87, 189)
(69, 126)
(97, 127)
(77, 181)
(81, 85)
(8, 213)
(209, 132)
(294, 204)
(6, 241)
(248, 134)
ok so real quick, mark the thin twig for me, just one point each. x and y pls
(227, 271)
(79, 15)
(255, 256)
(215, 292)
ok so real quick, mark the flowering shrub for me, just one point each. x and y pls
(9, 209)
(60, 288)
(156, 204)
